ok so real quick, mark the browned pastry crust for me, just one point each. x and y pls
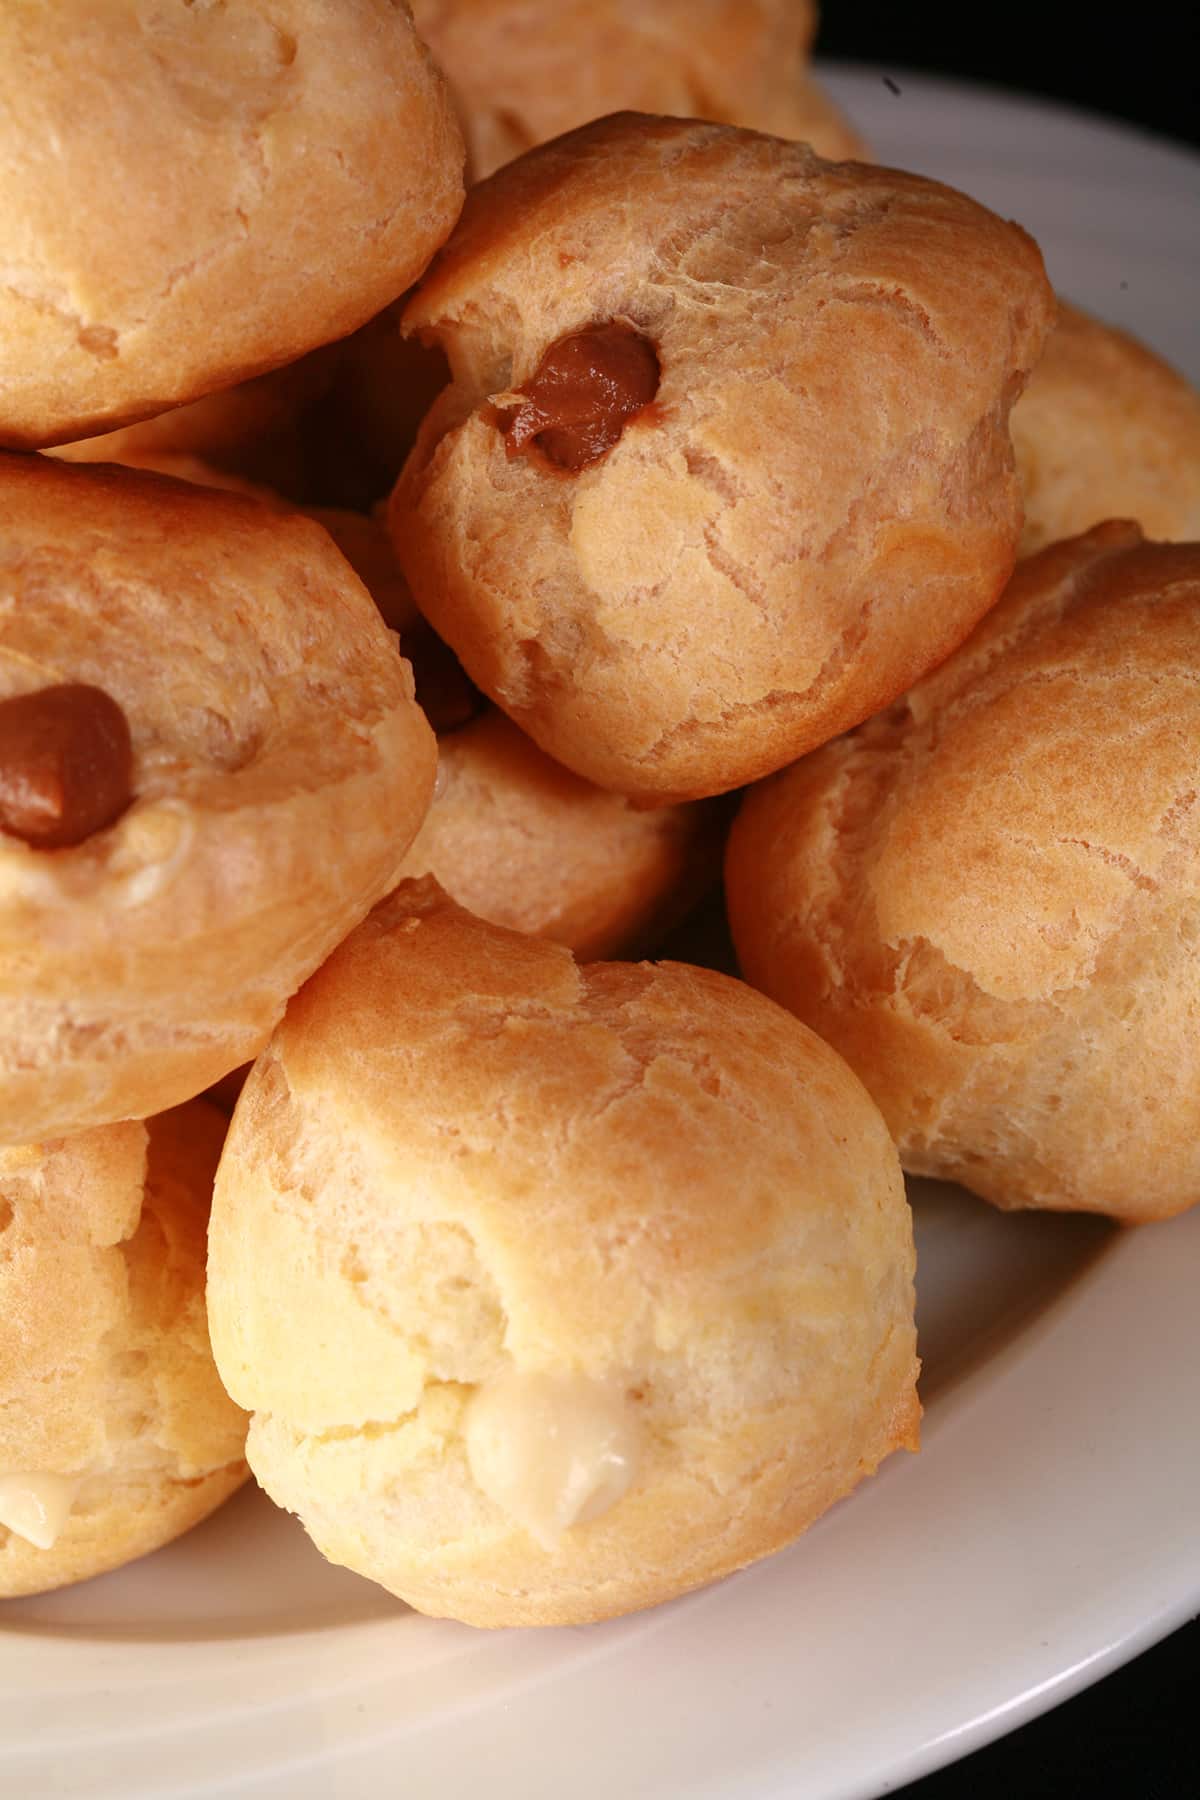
(362, 538)
(1106, 430)
(196, 194)
(988, 899)
(817, 506)
(524, 71)
(642, 1188)
(522, 842)
(106, 1376)
(281, 768)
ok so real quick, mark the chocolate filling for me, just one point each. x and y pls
(66, 765)
(586, 389)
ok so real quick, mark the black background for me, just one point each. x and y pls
(1132, 1734)
(1136, 62)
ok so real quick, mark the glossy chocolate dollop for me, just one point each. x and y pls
(586, 389)
(66, 765)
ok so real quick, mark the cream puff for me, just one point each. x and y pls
(1106, 430)
(211, 766)
(522, 842)
(523, 1267)
(523, 71)
(988, 898)
(725, 464)
(115, 1432)
(196, 194)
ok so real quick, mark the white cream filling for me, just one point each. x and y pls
(36, 1506)
(552, 1451)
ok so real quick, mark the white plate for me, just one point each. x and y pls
(1045, 1533)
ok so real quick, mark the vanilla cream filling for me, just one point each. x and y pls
(36, 1506)
(552, 1451)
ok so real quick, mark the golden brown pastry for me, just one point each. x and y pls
(522, 842)
(598, 1251)
(1106, 430)
(194, 194)
(362, 538)
(725, 463)
(523, 71)
(115, 1432)
(988, 899)
(211, 765)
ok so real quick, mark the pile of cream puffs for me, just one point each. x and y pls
(412, 597)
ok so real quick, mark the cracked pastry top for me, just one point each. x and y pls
(988, 899)
(194, 194)
(520, 1264)
(115, 1432)
(196, 697)
(523, 71)
(816, 505)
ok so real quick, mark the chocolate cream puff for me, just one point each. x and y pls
(725, 463)
(211, 766)
(988, 898)
(196, 194)
(554, 1291)
(523, 71)
(115, 1432)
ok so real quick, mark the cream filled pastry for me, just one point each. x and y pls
(115, 1432)
(724, 465)
(522, 1266)
(196, 194)
(988, 898)
(197, 700)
